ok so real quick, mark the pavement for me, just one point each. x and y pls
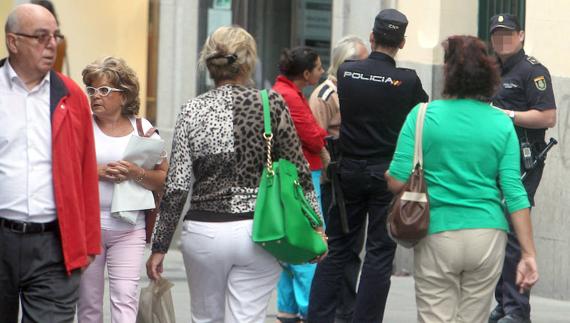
(400, 308)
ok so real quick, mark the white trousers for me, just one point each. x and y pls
(230, 278)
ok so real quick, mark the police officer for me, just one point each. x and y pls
(375, 97)
(525, 95)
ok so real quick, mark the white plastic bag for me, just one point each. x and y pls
(155, 303)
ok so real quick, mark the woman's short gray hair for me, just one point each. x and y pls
(346, 48)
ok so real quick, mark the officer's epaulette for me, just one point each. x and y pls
(325, 92)
(532, 60)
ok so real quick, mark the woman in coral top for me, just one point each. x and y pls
(299, 68)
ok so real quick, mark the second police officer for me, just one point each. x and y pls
(375, 97)
(526, 96)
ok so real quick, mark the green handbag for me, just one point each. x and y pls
(283, 221)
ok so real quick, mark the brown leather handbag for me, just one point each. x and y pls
(150, 214)
(408, 217)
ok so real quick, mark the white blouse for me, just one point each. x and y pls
(110, 149)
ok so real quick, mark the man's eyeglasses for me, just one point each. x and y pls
(43, 38)
(103, 90)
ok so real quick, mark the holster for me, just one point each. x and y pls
(333, 173)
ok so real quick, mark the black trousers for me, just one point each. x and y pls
(32, 271)
(507, 293)
(366, 194)
(347, 298)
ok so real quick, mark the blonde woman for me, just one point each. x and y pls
(218, 146)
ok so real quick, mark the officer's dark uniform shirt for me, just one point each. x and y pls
(525, 85)
(375, 97)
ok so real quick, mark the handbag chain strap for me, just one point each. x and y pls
(267, 135)
(418, 149)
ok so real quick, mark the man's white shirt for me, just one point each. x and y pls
(26, 186)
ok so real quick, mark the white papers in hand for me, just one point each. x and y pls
(129, 197)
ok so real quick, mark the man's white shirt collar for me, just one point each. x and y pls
(13, 78)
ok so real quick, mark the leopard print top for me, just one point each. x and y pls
(218, 146)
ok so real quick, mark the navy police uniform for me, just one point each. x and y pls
(375, 97)
(525, 85)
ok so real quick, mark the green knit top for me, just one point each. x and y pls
(471, 159)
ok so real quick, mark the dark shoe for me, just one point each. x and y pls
(509, 318)
(289, 319)
(496, 315)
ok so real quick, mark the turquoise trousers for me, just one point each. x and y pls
(294, 285)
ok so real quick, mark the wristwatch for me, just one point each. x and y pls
(511, 115)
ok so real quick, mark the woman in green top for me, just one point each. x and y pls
(471, 160)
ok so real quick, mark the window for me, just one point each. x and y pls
(489, 8)
(275, 25)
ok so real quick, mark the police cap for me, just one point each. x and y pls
(390, 21)
(504, 20)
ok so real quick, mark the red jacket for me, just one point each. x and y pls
(74, 167)
(311, 134)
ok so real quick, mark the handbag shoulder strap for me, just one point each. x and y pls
(140, 130)
(418, 152)
(266, 112)
(267, 135)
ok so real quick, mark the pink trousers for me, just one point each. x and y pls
(122, 252)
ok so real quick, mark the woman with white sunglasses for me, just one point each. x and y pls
(113, 90)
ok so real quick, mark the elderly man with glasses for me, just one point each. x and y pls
(49, 206)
